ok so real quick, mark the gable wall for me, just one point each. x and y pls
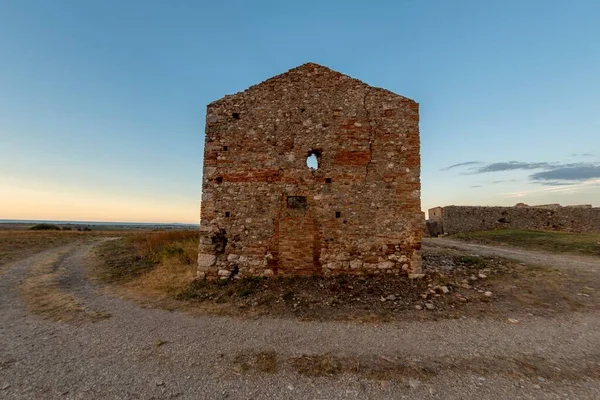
(368, 145)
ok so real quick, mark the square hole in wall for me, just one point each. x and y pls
(227, 214)
(338, 214)
(298, 202)
(219, 179)
(327, 180)
(225, 148)
(235, 115)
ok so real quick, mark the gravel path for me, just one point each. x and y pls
(140, 353)
(562, 261)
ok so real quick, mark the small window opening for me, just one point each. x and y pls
(327, 180)
(225, 148)
(302, 110)
(312, 160)
(235, 115)
(338, 214)
(227, 214)
(219, 179)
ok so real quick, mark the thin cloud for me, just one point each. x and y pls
(570, 188)
(512, 166)
(568, 173)
(585, 169)
(555, 183)
(582, 155)
(504, 181)
(463, 164)
(476, 186)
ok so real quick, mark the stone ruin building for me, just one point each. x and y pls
(550, 217)
(266, 212)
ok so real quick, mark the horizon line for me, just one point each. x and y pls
(3, 220)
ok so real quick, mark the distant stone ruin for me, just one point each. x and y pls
(550, 217)
(355, 208)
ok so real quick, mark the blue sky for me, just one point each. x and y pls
(102, 102)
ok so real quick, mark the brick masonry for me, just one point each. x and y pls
(265, 212)
(552, 217)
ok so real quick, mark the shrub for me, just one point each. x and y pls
(45, 227)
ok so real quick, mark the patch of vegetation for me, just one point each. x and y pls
(45, 227)
(44, 295)
(471, 261)
(264, 361)
(395, 369)
(160, 262)
(559, 242)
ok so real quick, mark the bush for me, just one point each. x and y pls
(45, 227)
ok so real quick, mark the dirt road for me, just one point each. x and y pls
(554, 260)
(111, 348)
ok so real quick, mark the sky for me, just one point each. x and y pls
(102, 103)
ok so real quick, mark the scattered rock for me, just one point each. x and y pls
(429, 306)
(418, 307)
(482, 276)
(415, 276)
(391, 297)
(537, 387)
(6, 386)
(513, 321)
(160, 383)
(414, 383)
(541, 379)
(461, 298)
(444, 289)
(488, 294)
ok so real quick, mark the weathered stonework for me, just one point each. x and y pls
(264, 212)
(551, 217)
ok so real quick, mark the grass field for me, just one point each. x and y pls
(560, 242)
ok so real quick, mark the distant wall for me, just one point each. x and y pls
(472, 218)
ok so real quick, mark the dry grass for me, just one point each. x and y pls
(43, 295)
(153, 264)
(382, 368)
(17, 244)
(264, 361)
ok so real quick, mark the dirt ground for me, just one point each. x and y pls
(17, 243)
(457, 284)
(536, 336)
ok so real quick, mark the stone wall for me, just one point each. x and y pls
(264, 212)
(471, 218)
